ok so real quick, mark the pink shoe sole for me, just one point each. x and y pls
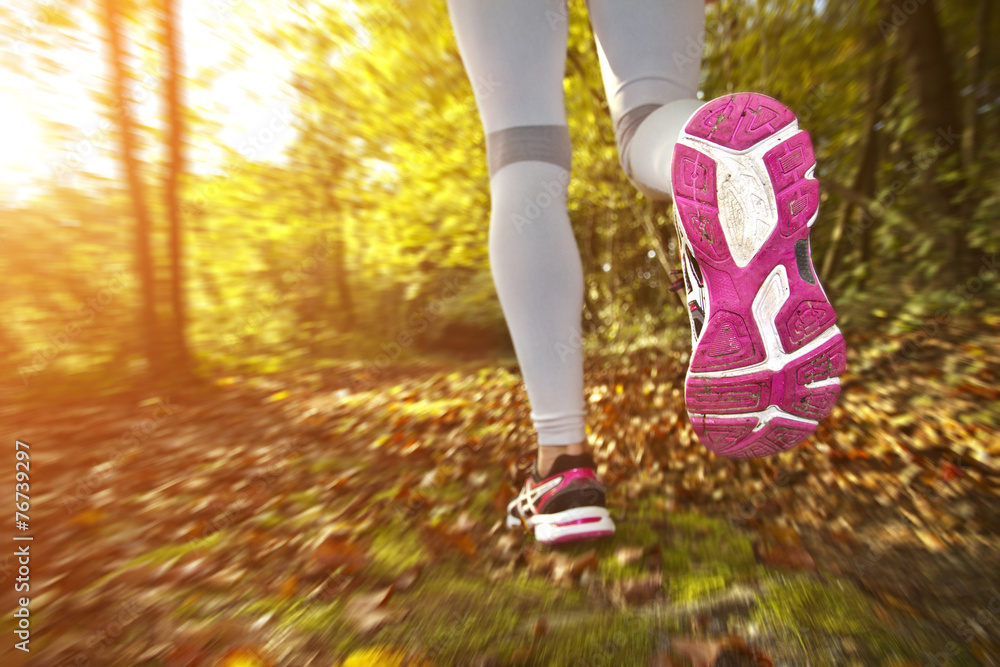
(765, 349)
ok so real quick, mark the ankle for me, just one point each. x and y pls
(547, 455)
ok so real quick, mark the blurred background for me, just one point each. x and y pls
(279, 184)
(245, 276)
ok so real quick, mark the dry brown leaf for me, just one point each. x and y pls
(783, 534)
(703, 652)
(537, 562)
(443, 541)
(408, 577)
(636, 590)
(368, 612)
(336, 552)
(289, 587)
(541, 628)
(664, 659)
(788, 555)
(506, 546)
(587, 562)
(503, 495)
(628, 555)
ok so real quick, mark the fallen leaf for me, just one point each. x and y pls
(367, 612)
(382, 656)
(504, 494)
(90, 517)
(507, 544)
(541, 628)
(950, 471)
(334, 553)
(289, 587)
(587, 562)
(664, 659)
(628, 555)
(408, 577)
(788, 555)
(704, 652)
(783, 534)
(930, 540)
(244, 657)
(442, 540)
(636, 590)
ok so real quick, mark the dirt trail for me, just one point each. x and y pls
(293, 521)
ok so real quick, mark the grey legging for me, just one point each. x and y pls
(514, 52)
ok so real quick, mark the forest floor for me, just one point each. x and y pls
(304, 520)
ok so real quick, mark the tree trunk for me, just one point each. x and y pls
(143, 258)
(977, 63)
(880, 90)
(338, 259)
(337, 255)
(928, 70)
(175, 167)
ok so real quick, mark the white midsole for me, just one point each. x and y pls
(779, 360)
(706, 146)
(550, 533)
(763, 416)
(573, 514)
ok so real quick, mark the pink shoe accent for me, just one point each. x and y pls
(568, 476)
(739, 121)
(725, 406)
(592, 519)
(582, 536)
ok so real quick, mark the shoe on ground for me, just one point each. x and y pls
(565, 506)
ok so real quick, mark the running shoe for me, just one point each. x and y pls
(765, 350)
(567, 505)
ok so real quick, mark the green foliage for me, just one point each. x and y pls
(383, 201)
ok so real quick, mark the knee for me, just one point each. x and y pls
(625, 129)
(529, 143)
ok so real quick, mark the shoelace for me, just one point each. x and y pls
(523, 465)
